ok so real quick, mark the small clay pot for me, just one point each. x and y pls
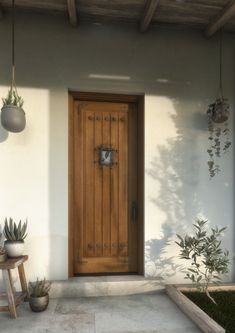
(39, 304)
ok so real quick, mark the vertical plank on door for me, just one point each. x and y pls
(123, 184)
(114, 185)
(89, 184)
(106, 188)
(78, 184)
(133, 193)
(98, 187)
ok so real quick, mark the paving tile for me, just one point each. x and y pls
(122, 314)
(104, 304)
(83, 323)
(120, 322)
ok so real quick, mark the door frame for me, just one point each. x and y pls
(105, 97)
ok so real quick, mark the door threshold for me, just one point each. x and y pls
(107, 278)
(105, 274)
(94, 286)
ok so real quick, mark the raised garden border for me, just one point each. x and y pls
(199, 317)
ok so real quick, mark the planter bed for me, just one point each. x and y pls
(210, 318)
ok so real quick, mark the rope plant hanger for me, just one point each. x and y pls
(12, 115)
(218, 114)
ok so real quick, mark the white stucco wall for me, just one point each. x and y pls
(178, 73)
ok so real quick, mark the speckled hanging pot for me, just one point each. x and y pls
(13, 118)
(12, 115)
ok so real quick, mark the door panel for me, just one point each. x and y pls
(105, 237)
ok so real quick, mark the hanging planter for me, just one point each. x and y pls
(219, 134)
(12, 115)
(218, 111)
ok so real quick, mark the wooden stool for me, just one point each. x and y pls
(14, 298)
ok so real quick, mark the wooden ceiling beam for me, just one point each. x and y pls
(225, 15)
(72, 11)
(1, 12)
(149, 10)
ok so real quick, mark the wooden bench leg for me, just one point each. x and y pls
(10, 293)
(23, 281)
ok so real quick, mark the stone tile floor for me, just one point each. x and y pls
(117, 314)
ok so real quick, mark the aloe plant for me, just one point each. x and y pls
(14, 232)
(40, 288)
(13, 99)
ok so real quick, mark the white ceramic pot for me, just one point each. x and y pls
(13, 118)
(14, 249)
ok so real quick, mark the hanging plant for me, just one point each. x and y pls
(12, 115)
(219, 134)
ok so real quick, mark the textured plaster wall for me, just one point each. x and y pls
(178, 73)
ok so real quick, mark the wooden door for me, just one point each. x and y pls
(105, 195)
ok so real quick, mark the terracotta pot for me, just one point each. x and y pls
(39, 304)
(14, 249)
(3, 257)
(13, 118)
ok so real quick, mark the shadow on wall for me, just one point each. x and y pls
(183, 189)
(158, 263)
(58, 187)
(3, 134)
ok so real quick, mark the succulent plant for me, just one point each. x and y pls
(13, 232)
(39, 288)
(13, 99)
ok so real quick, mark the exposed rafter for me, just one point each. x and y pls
(227, 13)
(149, 10)
(1, 12)
(72, 11)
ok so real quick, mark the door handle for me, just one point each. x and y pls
(134, 212)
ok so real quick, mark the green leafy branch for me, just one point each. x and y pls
(13, 99)
(207, 260)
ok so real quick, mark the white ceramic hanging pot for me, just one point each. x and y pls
(13, 118)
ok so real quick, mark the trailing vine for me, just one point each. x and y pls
(219, 135)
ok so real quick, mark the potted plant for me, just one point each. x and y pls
(39, 297)
(219, 135)
(15, 235)
(12, 115)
